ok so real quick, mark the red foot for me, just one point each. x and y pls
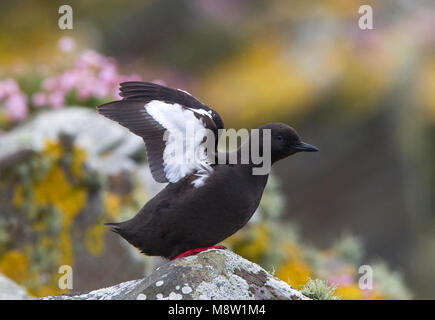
(192, 252)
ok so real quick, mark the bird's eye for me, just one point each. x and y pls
(279, 137)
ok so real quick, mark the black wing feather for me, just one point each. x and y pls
(147, 91)
(132, 115)
(134, 90)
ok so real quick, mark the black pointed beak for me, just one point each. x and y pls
(303, 146)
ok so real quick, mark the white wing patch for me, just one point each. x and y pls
(203, 112)
(184, 152)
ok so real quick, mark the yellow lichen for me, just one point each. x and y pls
(39, 226)
(66, 248)
(94, 239)
(55, 190)
(79, 158)
(18, 197)
(47, 242)
(53, 149)
(60, 188)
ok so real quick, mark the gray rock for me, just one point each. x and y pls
(9, 290)
(213, 274)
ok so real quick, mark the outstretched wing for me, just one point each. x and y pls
(147, 91)
(174, 126)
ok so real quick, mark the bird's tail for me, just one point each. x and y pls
(124, 230)
(114, 226)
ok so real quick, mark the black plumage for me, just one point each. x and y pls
(189, 212)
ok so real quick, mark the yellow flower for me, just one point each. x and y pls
(45, 290)
(252, 243)
(112, 204)
(14, 265)
(351, 292)
(295, 270)
(376, 295)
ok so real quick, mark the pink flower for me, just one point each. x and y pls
(49, 83)
(342, 280)
(39, 99)
(16, 106)
(69, 80)
(108, 73)
(90, 58)
(56, 99)
(84, 92)
(101, 91)
(93, 75)
(66, 44)
(7, 87)
(15, 102)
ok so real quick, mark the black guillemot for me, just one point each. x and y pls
(204, 202)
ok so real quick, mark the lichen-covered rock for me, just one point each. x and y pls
(62, 175)
(213, 274)
(92, 132)
(9, 290)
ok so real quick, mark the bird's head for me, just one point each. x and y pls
(285, 141)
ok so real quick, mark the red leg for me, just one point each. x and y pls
(192, 252)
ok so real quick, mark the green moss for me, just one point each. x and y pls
(349, 248)
(319, 290)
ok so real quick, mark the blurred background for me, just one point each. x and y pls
(366, 98)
